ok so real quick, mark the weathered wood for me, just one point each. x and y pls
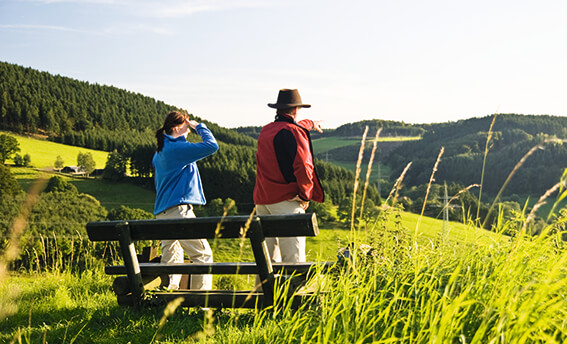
(214, 268)
(208, 227)
(256, 228)
(290, 225)
(215, 298)
(130, 260)
(121, 285)
(263, 263)
(225, 299)
(174, 229)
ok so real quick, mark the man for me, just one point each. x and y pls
(286, 179)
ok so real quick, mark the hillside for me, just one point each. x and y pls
(109, 119)
(43, 153)
(464, 142)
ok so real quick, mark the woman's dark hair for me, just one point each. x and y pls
(172, 120)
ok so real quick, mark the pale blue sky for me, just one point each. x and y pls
(224, 60)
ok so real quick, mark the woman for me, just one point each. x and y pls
(178, 186)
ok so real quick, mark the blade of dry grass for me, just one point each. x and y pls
(486, 149)
(540, 202)
(369, 169)
(457, 196)
(398, 182)
(514, 170)
(357, 174)
(431, 180)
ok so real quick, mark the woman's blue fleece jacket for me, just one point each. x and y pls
(176, 175)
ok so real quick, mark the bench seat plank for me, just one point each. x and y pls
(223, 298)
(213, 268)
(207, 227)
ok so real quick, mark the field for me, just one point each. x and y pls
(43, 153)
(424, 281)
(110, 194)
(325, 144)
(468, 286)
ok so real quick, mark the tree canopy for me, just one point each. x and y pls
(8, 147)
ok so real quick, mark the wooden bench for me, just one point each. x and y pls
(255, 228)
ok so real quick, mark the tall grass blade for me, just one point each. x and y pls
(369, 170)
(514, 170)
(357, 174)
(397, 184)
(431, 180)
(167, 312)
(457, 196)
(539, 203)
(487, 147)
(561, 196)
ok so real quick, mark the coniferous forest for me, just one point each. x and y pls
(122, 122)
(107, 118)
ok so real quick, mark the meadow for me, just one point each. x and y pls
(419, 286)
(43, 153)
(325, 144)
(424, 281)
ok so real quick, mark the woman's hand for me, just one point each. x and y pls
(193, 124)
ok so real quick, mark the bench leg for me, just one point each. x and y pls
(265, 269)
(130, 262)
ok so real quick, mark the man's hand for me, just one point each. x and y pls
(302, 203)
(317, 126)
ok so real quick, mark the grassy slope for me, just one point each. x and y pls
(43, 153)
(60, 307)
(327, 143)
(109, 194)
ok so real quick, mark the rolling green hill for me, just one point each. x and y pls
(109, 119)
(106, 118)
(43, 153)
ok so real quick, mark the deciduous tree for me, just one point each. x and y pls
(8, 147)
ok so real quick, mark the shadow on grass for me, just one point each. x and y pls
(42, 317)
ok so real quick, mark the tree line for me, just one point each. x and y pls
(465, 145)
(121, 122)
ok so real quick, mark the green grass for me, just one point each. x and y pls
(419, 285)
(351, 166)
(43, 153)
(325, 144)
(110, 194)
(474, 287)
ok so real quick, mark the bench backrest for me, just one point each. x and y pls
(288, 225)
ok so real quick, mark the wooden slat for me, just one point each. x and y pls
(214, 298)
(207, 227)
(223, 298)
(290, 225)
(192, 228)
(214, 268)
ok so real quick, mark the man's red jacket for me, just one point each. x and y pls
(285, 166)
